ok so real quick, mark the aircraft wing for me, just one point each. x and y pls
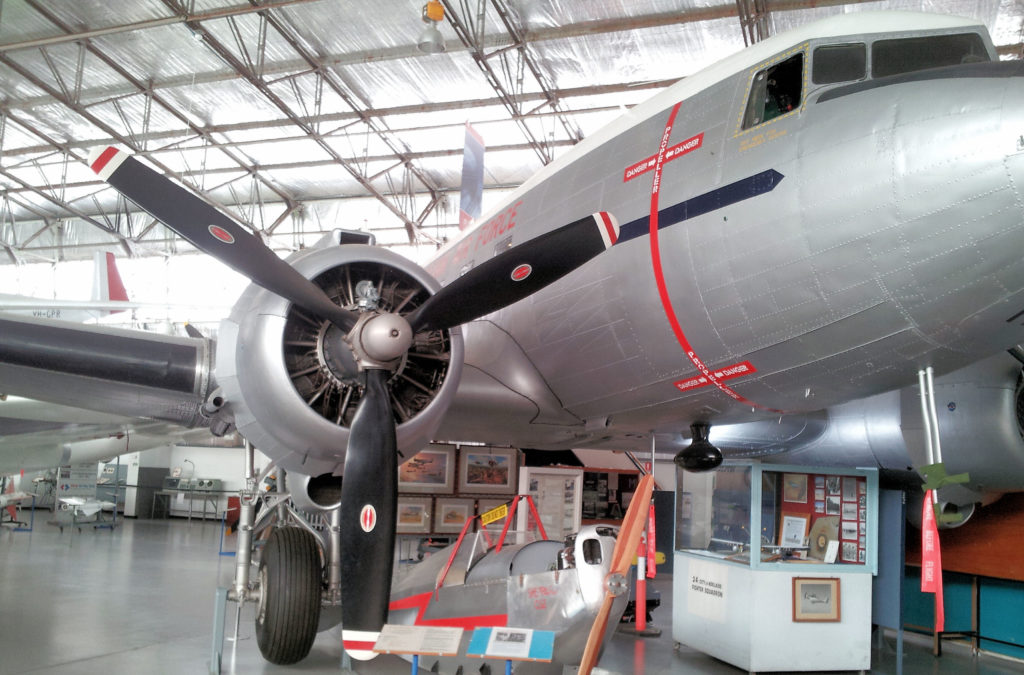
(106, 390)
(107, 370)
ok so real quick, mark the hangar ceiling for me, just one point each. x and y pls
(297, 116)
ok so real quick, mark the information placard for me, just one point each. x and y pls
(512, 644)
(433, 640)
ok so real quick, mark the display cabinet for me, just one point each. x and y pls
(773, 565)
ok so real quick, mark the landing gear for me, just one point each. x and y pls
(289, 606)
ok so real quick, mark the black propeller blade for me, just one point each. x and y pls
(211, 231)
(516, 273)
(368, 515)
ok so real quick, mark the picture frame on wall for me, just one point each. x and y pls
(430, 471)
(487, 470)
(450, 515)
(793, 530)
(816, 599)
(794, 487)
(414, 515)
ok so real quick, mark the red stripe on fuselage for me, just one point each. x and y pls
(422, 600)
(659, 275)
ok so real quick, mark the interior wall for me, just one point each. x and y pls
(987, 545)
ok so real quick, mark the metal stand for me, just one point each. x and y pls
(223, 528)
(31, 518)
(240, 592)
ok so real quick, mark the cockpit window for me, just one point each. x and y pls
(592, 551)
(906, 55)
(839, 63)
(776, 91)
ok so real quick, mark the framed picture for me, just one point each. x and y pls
(793, 530)
(849, 488)
(832, 485)
(487, 470)
(832, 505)
(794, 487)
(413, 515)
(815, 599)
(450, 515)
(849, 511)
(848, 530)
(431, 470)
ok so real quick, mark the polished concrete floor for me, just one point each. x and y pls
(139, 599)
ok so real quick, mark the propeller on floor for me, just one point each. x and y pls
(616, 582)
(379, 341)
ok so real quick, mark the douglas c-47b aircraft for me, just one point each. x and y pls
(772, 249)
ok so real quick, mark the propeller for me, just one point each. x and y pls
(516, 273)
(212, 232)
(379, 341)
(616, 583)
(368, 541)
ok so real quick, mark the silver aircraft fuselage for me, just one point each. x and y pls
(820, 256)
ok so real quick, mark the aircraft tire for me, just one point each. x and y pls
(289, 609)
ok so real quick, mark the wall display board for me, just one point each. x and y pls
(796, 595)
(557, 493)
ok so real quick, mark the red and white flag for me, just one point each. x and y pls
(931, 560)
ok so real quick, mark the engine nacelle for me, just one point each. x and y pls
(314, 493)
(291, 382)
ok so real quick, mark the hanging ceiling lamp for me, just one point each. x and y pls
(430, 40)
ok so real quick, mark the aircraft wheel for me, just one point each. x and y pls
(289, 606)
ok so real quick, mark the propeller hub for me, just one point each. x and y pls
(616, 584)
(380, 340)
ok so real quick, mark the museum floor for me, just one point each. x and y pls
(140, 600)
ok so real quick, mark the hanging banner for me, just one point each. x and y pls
(931, 560)
(471, 194)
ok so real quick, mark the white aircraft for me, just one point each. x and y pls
(108, 296)
(773, 248)
(84, 507)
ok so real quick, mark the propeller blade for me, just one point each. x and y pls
(516, 273)
(625, 546)
(211, 231)
(368, 513)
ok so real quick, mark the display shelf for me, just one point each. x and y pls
(775, 601)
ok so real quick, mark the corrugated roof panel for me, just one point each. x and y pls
(161, 54)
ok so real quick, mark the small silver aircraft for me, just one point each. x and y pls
(575, 588)
(770, 250)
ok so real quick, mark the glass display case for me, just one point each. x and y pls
(814, 517)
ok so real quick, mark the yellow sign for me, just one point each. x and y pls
(494, 514)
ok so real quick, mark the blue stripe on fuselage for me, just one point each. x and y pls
(745, 188)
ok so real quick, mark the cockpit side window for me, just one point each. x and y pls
(775, 91)
(839, 63)
(592, 551)
(907, 55)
